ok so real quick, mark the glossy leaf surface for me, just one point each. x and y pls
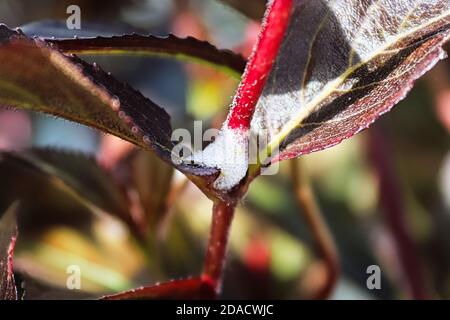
(341, 65)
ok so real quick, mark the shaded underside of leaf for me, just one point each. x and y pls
(8, 237)
(42, 177)
(148, 181)
(344, 63)
(41, 78)
(184, 48)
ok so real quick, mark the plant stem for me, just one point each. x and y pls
(322, 235)
(222, 217)
(259, 64)
(394, 214)
(209, 284)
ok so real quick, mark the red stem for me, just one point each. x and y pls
(395, 215)
(253, 80)
(215, 255)
(259, 65)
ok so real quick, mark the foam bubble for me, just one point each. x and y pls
(229, 154)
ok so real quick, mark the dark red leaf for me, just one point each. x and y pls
(342, 64)
(40, 177)
(190, 289)
(41, 78)
(201, 51)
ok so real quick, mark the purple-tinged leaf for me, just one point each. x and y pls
(40, 177)
(183, 48)
(342, 64)
(8, 236)
(189, 289)
(41, 78)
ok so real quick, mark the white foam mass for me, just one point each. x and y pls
(229, 154)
